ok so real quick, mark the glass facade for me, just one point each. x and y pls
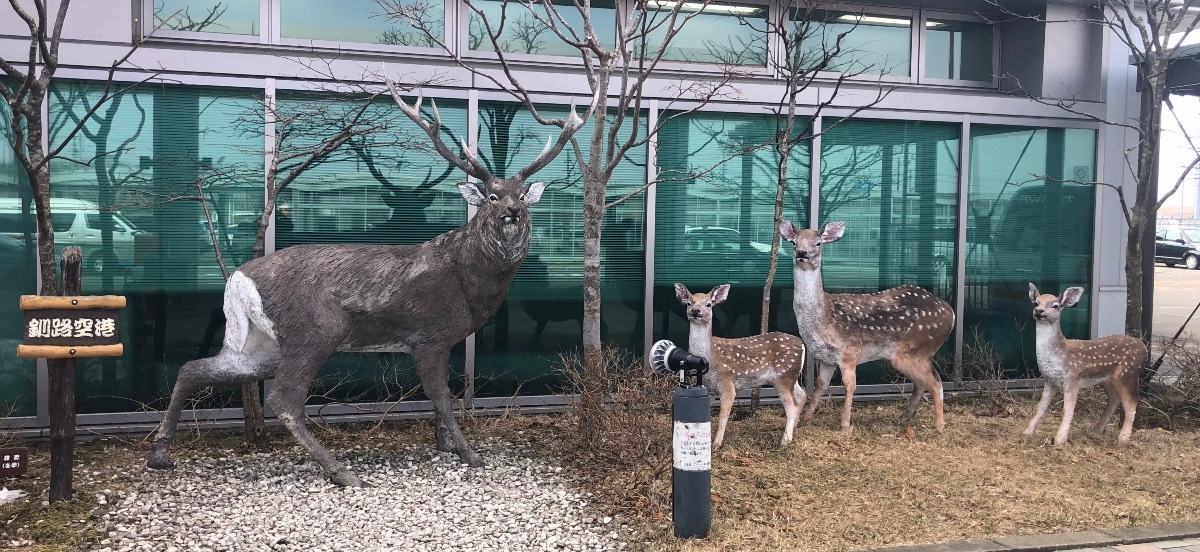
(725, 33)
(959, 50)
(18, 275)
(867, 44)
(524, 33)
(237, 17)
(1026, 224)
(715, 220)
(136, 211)
(895, 184)
(360, 21)
(518, 350)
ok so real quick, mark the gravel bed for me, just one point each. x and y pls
(420, 500)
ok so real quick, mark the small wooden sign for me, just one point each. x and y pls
(14, 462)
(71, 327)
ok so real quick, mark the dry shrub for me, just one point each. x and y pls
(985, 377)
(627, 452)
(1172, 397)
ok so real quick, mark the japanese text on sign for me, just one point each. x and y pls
(66, 327)
(693, 446)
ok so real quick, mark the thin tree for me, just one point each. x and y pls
(1153, 31)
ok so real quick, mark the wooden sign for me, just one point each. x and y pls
(13, 461)
(71, 327)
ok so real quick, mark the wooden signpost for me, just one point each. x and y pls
(62, 329)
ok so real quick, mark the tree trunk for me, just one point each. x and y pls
(593, 358)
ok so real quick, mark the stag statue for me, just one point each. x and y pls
(287, 312)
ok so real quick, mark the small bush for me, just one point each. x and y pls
(1172, 397)
(628, 448)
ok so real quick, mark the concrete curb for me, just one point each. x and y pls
(1061, 541)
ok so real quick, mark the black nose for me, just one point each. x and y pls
(1037, 311)
(694, 313)
(514, 211)
(801, 255)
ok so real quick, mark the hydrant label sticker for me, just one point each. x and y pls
(693, 446)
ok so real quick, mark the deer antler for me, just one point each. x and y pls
(468, 163)
(572, 124)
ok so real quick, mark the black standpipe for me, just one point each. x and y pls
(691, 476)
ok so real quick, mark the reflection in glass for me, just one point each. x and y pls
(361, 21)
(869, 44)
(1025, 224)
(18, 272)
(524, 33)
(518, 350)
(715, 220)
(960, 50)
(896, 186)
(724, 33)
(136, 212)
(238, 17)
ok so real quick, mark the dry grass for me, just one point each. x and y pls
(880, 487)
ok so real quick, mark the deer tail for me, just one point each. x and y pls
(243, 312)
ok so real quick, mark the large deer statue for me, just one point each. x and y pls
(287, 312)
(905, 325)
(773, 357)
(1114, 362)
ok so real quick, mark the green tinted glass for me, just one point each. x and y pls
(960, 50)
(724, 32)
(715, 220)
(1027, 222)
(362, 21)
(895, 184)
(517, 351)
(525, 31)
(18, 273)
(384, 187)
(154, 153)
(864, 44)
(239, 17)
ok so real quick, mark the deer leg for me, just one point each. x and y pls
(791, 407)
(1070, 394)
(1042, 407)
(925, 377)
(1113, 401)
(824, 376)
(728, 392)
(849, 368)
(1129, 402)
(193, 375)
(434, 372)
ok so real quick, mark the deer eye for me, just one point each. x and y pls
(493, 198)
(1055, 306)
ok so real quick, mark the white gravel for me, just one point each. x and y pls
(421, 500)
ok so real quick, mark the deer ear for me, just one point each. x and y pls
(719, 294)
(533, 193)
(682, 293)
(1033, 293)
(472, 193)
(787, 231)
(832, 231)
(1071, 296)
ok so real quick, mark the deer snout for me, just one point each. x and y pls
(801, 255)
(1039, 312)
(693, 313)
(512, 213)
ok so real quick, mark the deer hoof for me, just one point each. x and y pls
(1124, 437)
(346, 478)
(848, 430)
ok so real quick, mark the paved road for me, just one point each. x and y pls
(1176, 292)
(1187, 545)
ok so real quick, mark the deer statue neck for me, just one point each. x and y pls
(700, 339)
(1050, 339)
(808, 298)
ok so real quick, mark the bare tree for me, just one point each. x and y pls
(618, 70)
(1153, 31)
(25, 100)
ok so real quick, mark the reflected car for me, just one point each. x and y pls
(1178, 245)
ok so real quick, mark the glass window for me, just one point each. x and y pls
(239, 17)
(1171, 235)
(156, 149)
(715, 220)
(726, 33)
(959, 50)
(895, 184)
(62, 222)
(523, 33)
(18, 273)
(867, 44)
(518, 350)
(388, 187)
(361, 21)
(1026, 224)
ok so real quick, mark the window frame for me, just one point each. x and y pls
(463, 37)
(266, 28)
(958, 83)
(885, 11)
(448, 35)
(769, 42)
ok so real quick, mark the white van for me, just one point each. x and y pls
(76, 222)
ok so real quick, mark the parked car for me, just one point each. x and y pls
(1178, 244)
(76, 222)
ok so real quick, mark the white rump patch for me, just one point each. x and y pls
(243, 313)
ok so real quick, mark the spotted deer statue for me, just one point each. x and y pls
(287, 312)
(1114, 362)
(776, 358)
(905, 325)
